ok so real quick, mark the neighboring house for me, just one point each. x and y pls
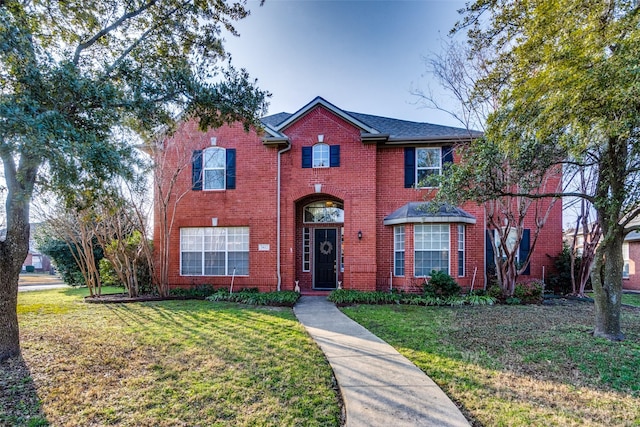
(36, 259)
(631, 255)
(327, 198)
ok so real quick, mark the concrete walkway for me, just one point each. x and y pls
(379, 386)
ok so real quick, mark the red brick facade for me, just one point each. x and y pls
(368, 183)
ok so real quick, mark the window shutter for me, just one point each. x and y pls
(409, 167)
(490, 263)
(231, 169)
(447, 154)
(307, 154)
(524, 249)
(334, 156)
(196, 170)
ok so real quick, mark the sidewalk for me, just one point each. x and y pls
(379, 386)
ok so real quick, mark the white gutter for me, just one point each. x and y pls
(284, 150)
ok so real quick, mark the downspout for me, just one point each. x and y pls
(284, 150)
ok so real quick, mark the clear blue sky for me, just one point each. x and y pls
(362, 56)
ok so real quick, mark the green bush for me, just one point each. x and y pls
(513, 301)
(250, 296)
(441, 285)
(200, 291)
(529, 292)
(495, 291)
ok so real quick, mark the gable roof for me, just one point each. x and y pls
(375, 128)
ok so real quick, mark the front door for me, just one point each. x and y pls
(325, 258)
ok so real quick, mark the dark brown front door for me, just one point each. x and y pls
(325, 258)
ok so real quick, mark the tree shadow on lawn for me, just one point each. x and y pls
(541, 361)
(20, 404)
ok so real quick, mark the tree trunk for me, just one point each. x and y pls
(13, 251)
(607, 286)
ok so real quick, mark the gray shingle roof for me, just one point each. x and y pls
(395, 128)
(422, 212)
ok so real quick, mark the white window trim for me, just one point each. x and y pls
(313, 155)
(418, 168)
(306, 249)
(415, 228)
(223, 168)
(203, 251)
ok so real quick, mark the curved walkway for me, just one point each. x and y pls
(380, 387)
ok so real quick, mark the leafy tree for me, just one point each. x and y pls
(79, 82)
(567, 72)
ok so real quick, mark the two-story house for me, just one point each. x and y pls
(327, 198)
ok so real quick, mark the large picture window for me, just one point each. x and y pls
(431, 245)
(214, 251)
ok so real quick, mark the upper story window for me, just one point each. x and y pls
(428, 165)
(214, 169)
(320, 156)
(424, 163)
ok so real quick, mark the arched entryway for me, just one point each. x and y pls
(320, 239)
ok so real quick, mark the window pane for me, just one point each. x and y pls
(214, 263)
(214, 179)
(191, 239)
(431, 244)
(214, 158)
(399, 264)
(191, 263)
(239, 261)
(429, 157)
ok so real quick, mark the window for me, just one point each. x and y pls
(461, 250)
(428, 165)
(320, 156)
(214, 251)
(327, 211)
(214, 169)
(398, 250)
(431, 245)
(625, 257)
(306, 249)
(214, 163)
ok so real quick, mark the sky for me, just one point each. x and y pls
(364, 56)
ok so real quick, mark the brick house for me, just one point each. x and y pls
(326, 198)
(631, 255)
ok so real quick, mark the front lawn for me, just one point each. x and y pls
(631, 299)
(172, 363)
(519, 365)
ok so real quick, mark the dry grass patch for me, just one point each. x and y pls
(519, 365)
(174, 363)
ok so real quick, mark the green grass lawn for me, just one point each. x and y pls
(519, 365)
(172, 363)
(631, 299)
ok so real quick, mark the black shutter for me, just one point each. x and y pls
(334, 156)
(307, 153)
(489, 257)
(447, 154)
(524, 249)
(196, 170)
(231, 169)
(409, 167)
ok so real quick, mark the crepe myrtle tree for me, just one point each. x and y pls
(567, 72)
(80, 81)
